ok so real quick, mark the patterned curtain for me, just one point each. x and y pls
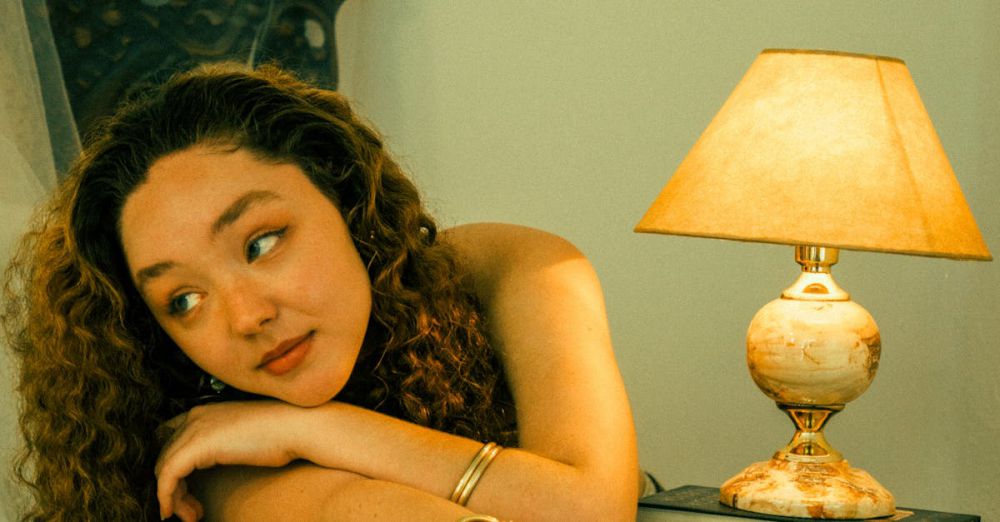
(108, 46)
(27, 174)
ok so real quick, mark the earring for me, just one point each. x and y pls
(371, 239)
(216, 385)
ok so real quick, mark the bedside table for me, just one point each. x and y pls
(697, 503)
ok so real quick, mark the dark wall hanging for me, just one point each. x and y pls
(106, 47)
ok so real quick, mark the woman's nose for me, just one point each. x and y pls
(248, 310)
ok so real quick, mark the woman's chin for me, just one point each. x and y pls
(308, 398)
(312, 388)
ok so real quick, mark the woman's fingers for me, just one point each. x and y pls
(171, 488)
(220, 434)
(199, 509)
(185, 506)
(174, 464)
(180, 456)
(166, 489)
(182, 504)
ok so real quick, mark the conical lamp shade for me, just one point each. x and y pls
(821, 148)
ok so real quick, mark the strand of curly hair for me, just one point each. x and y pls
(98, 375)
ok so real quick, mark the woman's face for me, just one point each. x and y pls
(251, 270)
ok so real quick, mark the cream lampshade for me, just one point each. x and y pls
(823, 151)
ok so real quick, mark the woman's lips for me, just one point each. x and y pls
(286, 356)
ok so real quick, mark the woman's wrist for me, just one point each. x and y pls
(309, 435)
(343, 436)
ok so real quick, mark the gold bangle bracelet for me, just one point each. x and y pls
(473, 472)
(469, 470)
(478, 473)
(478, 518)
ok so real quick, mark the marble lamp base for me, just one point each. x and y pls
(831, 490)
(812, 351)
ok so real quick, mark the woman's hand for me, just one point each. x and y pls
(257, 433)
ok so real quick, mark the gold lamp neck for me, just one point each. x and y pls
(815, 283)
(816, 259)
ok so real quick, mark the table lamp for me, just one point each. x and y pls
(823, 151)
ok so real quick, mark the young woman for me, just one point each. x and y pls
(236, 308)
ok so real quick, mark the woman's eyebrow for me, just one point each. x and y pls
(143, 276)
(238, 207)
(227, 217)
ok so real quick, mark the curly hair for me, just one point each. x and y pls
(98, 374)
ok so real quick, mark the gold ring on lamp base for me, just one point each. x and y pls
(808, 490)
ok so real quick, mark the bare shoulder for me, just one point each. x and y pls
(495, 251)
(490, 235)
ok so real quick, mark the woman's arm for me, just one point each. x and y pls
(305, 492)
(577, 455)
(546, 310)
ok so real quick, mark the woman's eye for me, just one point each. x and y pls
(183, 303)
(263, 244)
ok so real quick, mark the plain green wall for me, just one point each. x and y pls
(570, 116)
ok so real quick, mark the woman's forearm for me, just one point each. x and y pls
(363, 465)
(518, 485)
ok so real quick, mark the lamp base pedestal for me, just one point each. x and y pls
(808, 489)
